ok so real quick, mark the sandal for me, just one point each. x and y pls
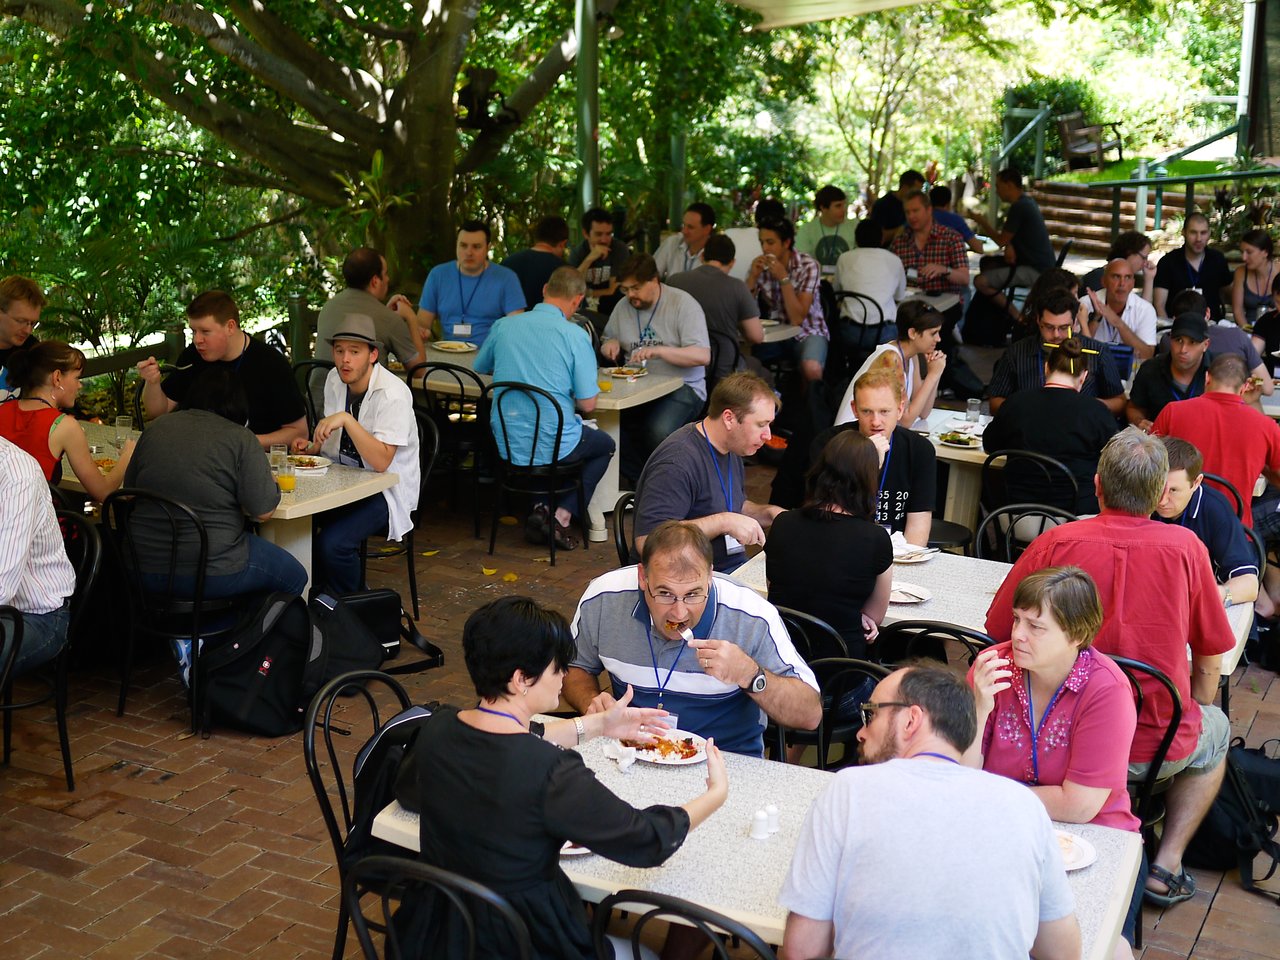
(1182, 886)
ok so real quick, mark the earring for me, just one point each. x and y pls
(524, 692)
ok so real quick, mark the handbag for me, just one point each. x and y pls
(384, 615)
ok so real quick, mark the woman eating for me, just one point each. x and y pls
(502, 799)
(1057, 421)
(1055, 713)
(829, 559)
(47, 377)
(1251, 284)
(916, 357)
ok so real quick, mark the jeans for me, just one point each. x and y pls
(859, 336)
(645, 427)
(269, 569)
(43, 637)
(336, 546)
(594, 450)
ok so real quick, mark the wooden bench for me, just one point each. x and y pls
(1081, 142)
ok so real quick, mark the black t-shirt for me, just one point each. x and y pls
(1267, 328)
(600, 273)
(826, 568)
(1060, 423)
(909, 478)
(263, 372)
(1154, 386)
(534, 268)
(1174, 274)
(5, 354)
(888, 213)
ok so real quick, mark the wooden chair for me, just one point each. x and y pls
(1083, 145)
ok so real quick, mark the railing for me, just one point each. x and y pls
(1239, 129)
(1190, 182)
(1036, 120)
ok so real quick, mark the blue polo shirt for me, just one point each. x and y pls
(953, 220)
(479, 301)
(1210, 517)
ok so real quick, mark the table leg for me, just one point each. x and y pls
(964, 485)
(607, 492)
(294, 536)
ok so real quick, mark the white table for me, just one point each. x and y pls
(775, 331)
(964, 473)
(942, 302)
(720, 867)
(622, 395)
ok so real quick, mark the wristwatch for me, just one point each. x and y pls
(757, 683)
(1226, 599)
(785, 281)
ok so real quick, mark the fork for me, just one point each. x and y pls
(174, 368)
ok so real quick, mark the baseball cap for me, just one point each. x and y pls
(1190, 325)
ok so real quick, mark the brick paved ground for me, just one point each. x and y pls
(173, 846)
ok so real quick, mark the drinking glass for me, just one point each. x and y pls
(124, 426)
(973, 412)
(278, 456)
(286, 479)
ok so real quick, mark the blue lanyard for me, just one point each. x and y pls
(1035, 731)
(1193, 276)
(1190, 394)
(501, 713)
(466, 303)
(652, 313)
(937, 756)
(715, 462)
(662, 684)
(884, 473)
(690, 259)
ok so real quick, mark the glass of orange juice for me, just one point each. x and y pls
(605, 382)
(286, 479)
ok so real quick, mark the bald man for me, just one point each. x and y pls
(1117, 314)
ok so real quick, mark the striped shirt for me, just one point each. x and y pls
(35, 574)
(1022, 368)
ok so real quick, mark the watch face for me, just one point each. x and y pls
(757, 685)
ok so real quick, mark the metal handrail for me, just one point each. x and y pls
(1191, 181)
(1034, 125)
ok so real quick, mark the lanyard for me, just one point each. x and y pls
(936, 756)
(690, 259)
(1035, 731)
(662, 684)
(466, 301)
(727, 492)
(652, 313)
(1191, 391)
(884, 473)
(1193, 275)
(500, 713)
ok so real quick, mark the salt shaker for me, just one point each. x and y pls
(771, 817)
(760, 826)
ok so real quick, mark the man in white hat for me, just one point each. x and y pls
(368, 423)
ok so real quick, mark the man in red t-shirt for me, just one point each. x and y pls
(1158, 595)
(1236, 441)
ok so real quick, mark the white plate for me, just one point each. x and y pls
(977, 445)
(322, 465)
(453, 346)
(571, 849)
(918, 558)
(770, 323)
(1077, 852)
(652, 756)
(627, 373)
(917, 595)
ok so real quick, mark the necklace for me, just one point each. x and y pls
(502, 713)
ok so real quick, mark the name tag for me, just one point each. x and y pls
(1196, 290)
(462, 329)
(731, 545)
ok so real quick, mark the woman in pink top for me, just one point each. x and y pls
(1052, 711)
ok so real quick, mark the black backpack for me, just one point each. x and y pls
(1243, 819)
(374, 779)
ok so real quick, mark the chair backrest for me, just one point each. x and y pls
(303, 372)
(1225, 485)
(1007, 531)
(403, 887)
(1068, 124)
(10, 641)
(838, 679)
(513, 402)
(172, 523)
(453, 396)
(1136, 670)
(428, 448)
(622, 543)
(84, 549)
(814, 638)
(1122, 355)
(659, 906)
(860, 303)
(135, 403)
(1260, 546)
(1034, 478)
(909, 639)
(585, 323)
(1062, 254)
(725, 359)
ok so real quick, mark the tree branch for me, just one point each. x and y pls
(232, 174)
(265, 224)
(371, 28)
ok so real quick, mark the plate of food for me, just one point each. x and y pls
(627, 373)
(677, 748)
(923, 555)
(104, 464)
(305, 465)
(571, 849)
(1077, 852)
(453, 346)
(909, 593)
(958, 438)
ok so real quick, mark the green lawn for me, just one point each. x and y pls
(1121, 171)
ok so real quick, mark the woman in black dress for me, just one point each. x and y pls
(500, 800)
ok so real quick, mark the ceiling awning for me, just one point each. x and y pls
(788, 13)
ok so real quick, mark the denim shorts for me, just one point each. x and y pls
(812, 347)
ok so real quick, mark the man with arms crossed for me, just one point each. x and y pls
(881, 869)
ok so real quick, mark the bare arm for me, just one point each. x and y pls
(1117, 404)
(68, 438)
(1237, 293)
(1057, 939)
(428, 325)
(762, 513)
(877, 604)
(154, 401)
(797, 304)
(676, 356)
(752, 330)
(926, 391)
(918, 526)
(746, 530)
(1072, 802)
(586, 406)
(375, 454)
(1137, 416)
(1160, 301)
(580, 688)
(806, 938)
(788, 701)
(1244, 588)
(286, 434)
(1206, 674)
(995, 404)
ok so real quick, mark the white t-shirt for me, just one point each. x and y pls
(1138, 315)
(673, 256)
(923, 858)
(746, 245)
(875, 273)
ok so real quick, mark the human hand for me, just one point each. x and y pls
(597, 252)
(777, 268)
(641, 354)
(398, 301)
(870, 628)
(625, 722)
(881, 443)
(744, 529)
(300, 445)
(937, 362)
(1145, 426)
(991, 673)
(326, 427)
(717, 778)
(600, 703)
(931, 270)
(726, 661)
(149, 370)
(611, 349)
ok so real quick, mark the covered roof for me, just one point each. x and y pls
(787, 13)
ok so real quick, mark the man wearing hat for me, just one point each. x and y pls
(368, 423)
(1177, 375)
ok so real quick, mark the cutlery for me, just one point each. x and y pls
(174, 368)
(909, 593)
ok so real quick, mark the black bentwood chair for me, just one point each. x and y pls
(715, 927)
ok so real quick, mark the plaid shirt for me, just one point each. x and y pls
(805, 273)
(944, 246)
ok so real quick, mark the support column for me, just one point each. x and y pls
(588, 103)
(675, 181)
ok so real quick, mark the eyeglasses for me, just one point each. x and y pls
(29, 324)
(664, 599)
(868, 709)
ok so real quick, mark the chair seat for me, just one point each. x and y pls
(946, 533)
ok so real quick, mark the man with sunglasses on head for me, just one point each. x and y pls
(21, 301)
(710, 651)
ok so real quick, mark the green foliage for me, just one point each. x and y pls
(1063, 95)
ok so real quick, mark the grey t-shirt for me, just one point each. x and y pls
(1030, 237)
(725, 303)
(215, 467)
(674, 320)
(387, 324)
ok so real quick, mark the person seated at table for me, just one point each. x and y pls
(682, 251)
(829, 559)
(788, 281)
(598, 258)
(1118, 315)
(1266, 331)
(1158, 597)
(1056, 714)
(535, 265)
(697, 473)
(940, 200)
(1028, 251)
(727, 306)
(1135, 249)
(1058, 422)
(1170, 377)
(543, 349)
(918, 359)
(932, 254)
(368, 423)
(888, 212)
(1194, 265)
(493, 766)
(737, 667)
(887, 867)
(1022, 365)
(663, 330)
(1226, 338)
(827, 237)
(874, 272)
(276, 411)
(908, 477)
(1190, 502)
(21, 301)
(1251, 283)
(1049, 282)
(47, 377)
(203, 456)
(463, 298)
(368, 292)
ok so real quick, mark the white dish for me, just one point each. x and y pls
(453, 346)
(909, 593)
(976, 445)
(651, 755)
(915, 557)
(571, 849)
(1077, 852)
(320, 465)
(770, 323)
(628, 373)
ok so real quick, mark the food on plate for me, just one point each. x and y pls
(306, 463)
(628, 371)
(964, 439)
(667, 748)
(1066, 843)
(452, 346)
(104, 464)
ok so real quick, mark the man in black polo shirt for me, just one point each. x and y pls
(1194, 266)
(276, 413)
(1176, 375)
(1022, 366)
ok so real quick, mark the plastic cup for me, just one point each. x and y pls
(278, 456)
(124, 426)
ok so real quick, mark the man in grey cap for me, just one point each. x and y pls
(368, 423)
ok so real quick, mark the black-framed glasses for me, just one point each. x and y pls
(664, 599)
(867, 710)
